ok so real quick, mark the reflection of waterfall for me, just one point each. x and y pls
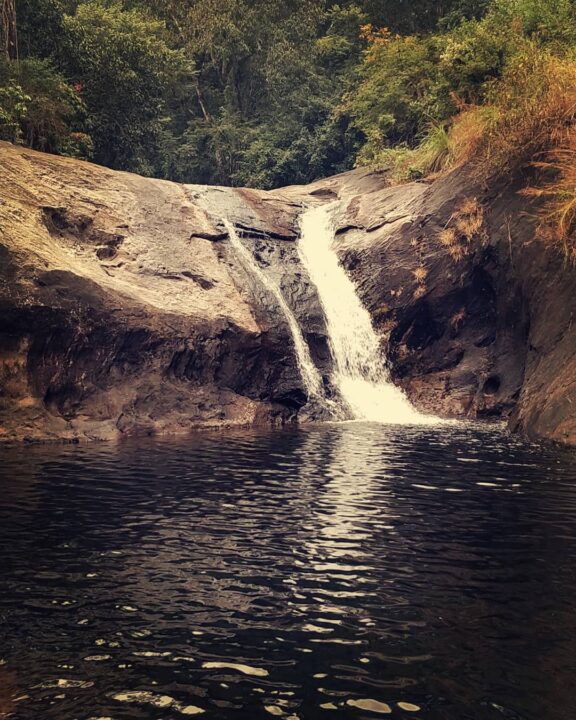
(310, 375)
(360, 374)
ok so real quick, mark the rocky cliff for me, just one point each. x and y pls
(474, 306)
(125, 310)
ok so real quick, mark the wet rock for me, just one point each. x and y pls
(125, 310)
(122, 311)
(474, 309)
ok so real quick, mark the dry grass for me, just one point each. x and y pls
(469, 218)
(558, 214)
(527, 111)
(420, 274)
(533, 115)
(457, 253)
(468, 130)
(458, 318)
(537, 99)
(448, 237)
(464, 225)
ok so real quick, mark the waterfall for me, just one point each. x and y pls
(360, 373)
(309, 372)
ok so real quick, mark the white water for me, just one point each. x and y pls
(310, 375)
(360, 373)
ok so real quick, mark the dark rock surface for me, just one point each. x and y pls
(475, 309)
(125, 309)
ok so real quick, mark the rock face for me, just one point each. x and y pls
(475, 310)
(125, 309)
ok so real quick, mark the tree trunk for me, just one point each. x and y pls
(8, 36)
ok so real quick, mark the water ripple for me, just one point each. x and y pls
(347, 571)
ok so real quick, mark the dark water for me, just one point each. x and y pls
(434, 567)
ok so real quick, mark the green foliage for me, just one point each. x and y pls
(268, 81)
(40, 27)
(13, 109)
(40, 109)
(401, 93)
(418, 16)
(411, 84)
(121, 62)
(274, 92)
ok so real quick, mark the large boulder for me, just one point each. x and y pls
(124, 310)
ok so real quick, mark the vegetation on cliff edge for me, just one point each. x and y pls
(273, 92)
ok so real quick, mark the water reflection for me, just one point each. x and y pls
(346, 570)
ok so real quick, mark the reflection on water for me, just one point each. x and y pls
(343, 571)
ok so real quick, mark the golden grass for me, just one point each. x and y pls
(529, 110)
(529, 113)
(420, 274)
(469, 218)
(558, 213)
(448, 237)
(458, 318)
(465, 224)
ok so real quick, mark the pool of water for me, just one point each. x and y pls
(338, 571)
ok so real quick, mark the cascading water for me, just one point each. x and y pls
(360, 374)
(310, 375)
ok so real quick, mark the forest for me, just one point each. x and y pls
(267, 93)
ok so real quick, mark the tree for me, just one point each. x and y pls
(8, 35)
(122, 65)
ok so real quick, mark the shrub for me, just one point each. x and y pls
(535, 105)
(558, 213)
(13, 108)
(528, 111)
(401, 93)
(40, 109)
(498, 89)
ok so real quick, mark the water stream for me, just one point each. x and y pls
(310, 375)
(360, 373)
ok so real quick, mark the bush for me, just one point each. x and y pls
(536, 104)
(402, 91)
(558, 213)
(13, 108)
(503, 84)
(40, 109)
(122, 63)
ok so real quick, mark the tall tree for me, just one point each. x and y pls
(8, 35)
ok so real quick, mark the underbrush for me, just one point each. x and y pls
(558, 214)
(529, 119)
(527, 111)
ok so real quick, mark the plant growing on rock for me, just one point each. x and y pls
(558, 213)
(464, 225)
